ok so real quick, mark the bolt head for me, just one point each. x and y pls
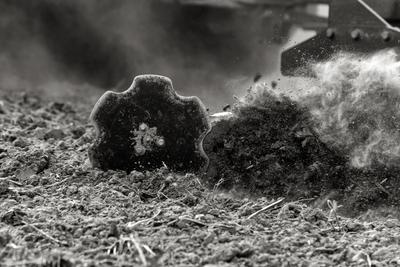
(356, 34)
(160, 142)
(147, 139)
(140, 150)
(330, 33)
(143, 127)
(385, 35)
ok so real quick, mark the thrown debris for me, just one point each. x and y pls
(149, 126)
(266, 208)
(267, 146)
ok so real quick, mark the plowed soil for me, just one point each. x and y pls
(56, 210)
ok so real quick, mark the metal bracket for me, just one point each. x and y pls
(353, 27)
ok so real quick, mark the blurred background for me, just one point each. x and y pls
(210, 48)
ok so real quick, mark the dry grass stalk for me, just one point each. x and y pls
(58, 183)
(46, 235)
(8, 179)
(139, 250)
(361, 256)
(266, 208)
(333, 217)
(132, 225)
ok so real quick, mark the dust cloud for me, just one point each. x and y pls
(71, 47)
(356, 102)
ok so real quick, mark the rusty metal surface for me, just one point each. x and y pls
(149, 126)
(353, 26)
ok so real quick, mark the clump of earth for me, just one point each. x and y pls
(269, 146)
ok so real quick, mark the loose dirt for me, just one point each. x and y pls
(56, 210)
(269, 147)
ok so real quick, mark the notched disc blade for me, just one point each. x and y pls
(147, 126)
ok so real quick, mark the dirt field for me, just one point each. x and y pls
(56, 210)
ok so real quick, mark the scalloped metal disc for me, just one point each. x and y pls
(147, 126)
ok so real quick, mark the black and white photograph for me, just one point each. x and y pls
(215, 133)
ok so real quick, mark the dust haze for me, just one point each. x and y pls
(60, 47)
